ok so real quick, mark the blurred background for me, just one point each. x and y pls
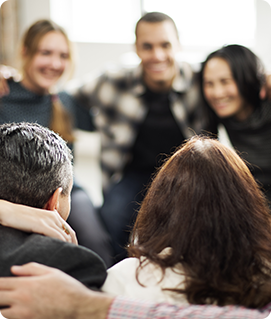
(103, 31)
(103, 36)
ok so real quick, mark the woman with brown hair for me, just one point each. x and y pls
(202, 235)
(45, 56)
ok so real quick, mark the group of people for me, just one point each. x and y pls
(194, 219)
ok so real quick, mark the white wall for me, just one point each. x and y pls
(96, 56)
(30, 11)
(93, 56)
(90, 56)
(263, 32)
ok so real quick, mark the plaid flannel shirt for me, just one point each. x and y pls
(116, 101)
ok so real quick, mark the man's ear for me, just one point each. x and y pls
(136, 48)
(53, 201)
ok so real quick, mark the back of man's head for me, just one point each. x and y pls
(34, 163)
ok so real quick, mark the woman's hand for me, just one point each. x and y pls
(4, 89)
(35, 220)
(7, 72)
(265, 92)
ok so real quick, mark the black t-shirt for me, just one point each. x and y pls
(158, 135)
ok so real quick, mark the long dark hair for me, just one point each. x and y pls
(247, 70)
(206, 206)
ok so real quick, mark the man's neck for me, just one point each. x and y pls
(158, 87)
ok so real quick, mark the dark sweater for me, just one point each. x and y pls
(252, 139)
(18, 248)
(24, 105)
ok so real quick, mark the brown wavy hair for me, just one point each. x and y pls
(205, 205)
(61, 121)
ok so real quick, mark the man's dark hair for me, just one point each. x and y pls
(35, 161)
(155, 17)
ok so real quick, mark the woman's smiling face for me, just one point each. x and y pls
(48, 63)
(221, 91)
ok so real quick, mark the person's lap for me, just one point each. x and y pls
(89, 229)
(119, 209)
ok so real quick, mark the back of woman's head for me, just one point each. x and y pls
(206, 206)
(33, 36)
(247, 71)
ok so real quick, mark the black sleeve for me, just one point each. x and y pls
(82, 116)
(80, 263)
(18, 248)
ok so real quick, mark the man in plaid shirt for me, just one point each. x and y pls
(141, 113)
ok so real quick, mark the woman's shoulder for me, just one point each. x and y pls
(19, 93)
(265, 108)
(71, 104)
(148, 283)
(127, 265)
(262, 115)
(15, 88)
(67, 100)
(120, 276)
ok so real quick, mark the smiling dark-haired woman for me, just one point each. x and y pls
(231, 80)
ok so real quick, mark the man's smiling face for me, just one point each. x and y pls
(156, 45)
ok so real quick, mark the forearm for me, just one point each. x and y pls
(133, 309)
(43, 292)
(92, 306)
(7, 213)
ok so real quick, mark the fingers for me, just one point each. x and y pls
(56, 233)
(6, 300)
(29, 219)
(263, 93)
(51, 224)
(72, 235)
(62, 230)
(31, 269)
(7, 72)
(56, 227)
(8, 313)
(6, 283)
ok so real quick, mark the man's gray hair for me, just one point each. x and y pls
(35, 161)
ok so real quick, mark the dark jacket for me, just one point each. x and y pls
(18, 248)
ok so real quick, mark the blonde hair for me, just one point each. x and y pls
(61, 121)
(32, 38)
